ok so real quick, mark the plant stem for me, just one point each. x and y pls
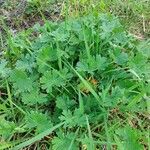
(59, 56)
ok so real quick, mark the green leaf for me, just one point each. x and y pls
(60, 34)
(64, 102)
(64, 140)
(119, 57)
(47, 53)
(110, 26)
(101, 62)
(144, 48)
(21, 81)
(50, 80)
(34, 97)
(26, 63)
(38, 120)
(4, 71)
(112, 99)
(140, 65)
(92, 64)
(7, 128)
(54, 78)
(73, 119)
(130, 138)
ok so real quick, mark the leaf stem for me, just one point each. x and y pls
(59, 55)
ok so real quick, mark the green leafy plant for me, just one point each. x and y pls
(77, 84)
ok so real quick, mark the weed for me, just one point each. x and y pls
(80, 83)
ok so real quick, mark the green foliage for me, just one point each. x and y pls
(21, 81)
(76, 73)
(64, 140)
(4, 71)
(73, 119)
(33, 97)
(112, 99)
(92, 64)
(7, 128)
(130, 138)
(54, 78)
(26, 63)
(64, 103)
(37, 120)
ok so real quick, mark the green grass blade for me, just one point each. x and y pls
(135, 100)
(58, 55)
(71, 144)
(37, 137)
(90, 135)
(107, 133)
(11, 101)
(88, 86)
(7, 145)
(86, 45)
(81, 105)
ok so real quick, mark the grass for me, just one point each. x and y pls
(78, 82)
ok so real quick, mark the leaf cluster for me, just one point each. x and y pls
(88, 73)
